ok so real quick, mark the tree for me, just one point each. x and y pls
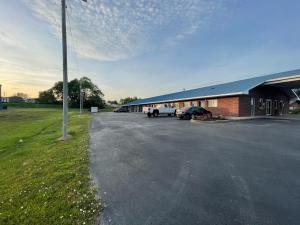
(22, 95)
(47, 97)
(92, 95)
(124, 101)
(114, 102)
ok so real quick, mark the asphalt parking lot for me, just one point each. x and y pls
(166, 171)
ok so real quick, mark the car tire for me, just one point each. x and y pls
(155, 114)
(187, 117)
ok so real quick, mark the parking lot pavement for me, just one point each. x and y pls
(166, 171)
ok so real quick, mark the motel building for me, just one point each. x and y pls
(259, 96)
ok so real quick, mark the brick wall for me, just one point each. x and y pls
(227, 106)
(244, 105)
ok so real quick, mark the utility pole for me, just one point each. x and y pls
(65, 71)
(81, 96)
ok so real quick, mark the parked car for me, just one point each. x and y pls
(161, 110)
(190, 112)
(121, 109)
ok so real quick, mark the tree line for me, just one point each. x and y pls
(91, 93)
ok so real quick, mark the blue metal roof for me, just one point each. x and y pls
(231, 88)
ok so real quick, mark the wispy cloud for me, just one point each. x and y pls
(114, 30)
(6, 38)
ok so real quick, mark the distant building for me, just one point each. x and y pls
(5, 99)
(15, 99)
(295, 105)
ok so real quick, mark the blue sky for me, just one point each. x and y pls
(147, 47)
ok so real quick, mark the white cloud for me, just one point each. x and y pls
(113, 29)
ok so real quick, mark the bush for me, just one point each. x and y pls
(295, 111)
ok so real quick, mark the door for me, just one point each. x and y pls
(252, 106)
(268, 107)
(281, 107)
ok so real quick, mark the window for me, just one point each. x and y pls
(212, 103)
(176, 104)
(195, 103)
(186, 104)
(203, 104)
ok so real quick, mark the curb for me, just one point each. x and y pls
(210, 121)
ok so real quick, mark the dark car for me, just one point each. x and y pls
(193, 111)
(121, 109)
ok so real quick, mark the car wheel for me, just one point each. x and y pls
(187, 117)
(155, 114)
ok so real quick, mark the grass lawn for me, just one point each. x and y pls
(43, 180)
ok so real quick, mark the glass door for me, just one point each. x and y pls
(268, 107)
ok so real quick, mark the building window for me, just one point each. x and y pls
(212, 103)
(176, 104)
(195, 103)
(203, 104)
(186, 104)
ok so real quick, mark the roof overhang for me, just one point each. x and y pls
(292, 80)
(286, 84)
(188, 99)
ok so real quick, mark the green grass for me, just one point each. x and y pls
(31, 105)
(43, 180)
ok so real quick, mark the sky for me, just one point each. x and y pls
(146, 48)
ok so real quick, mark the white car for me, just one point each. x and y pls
(160, 110)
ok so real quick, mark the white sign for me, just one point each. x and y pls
(94, 109)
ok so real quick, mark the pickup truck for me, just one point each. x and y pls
(161, 110)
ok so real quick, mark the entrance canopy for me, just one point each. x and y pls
(287, 85)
